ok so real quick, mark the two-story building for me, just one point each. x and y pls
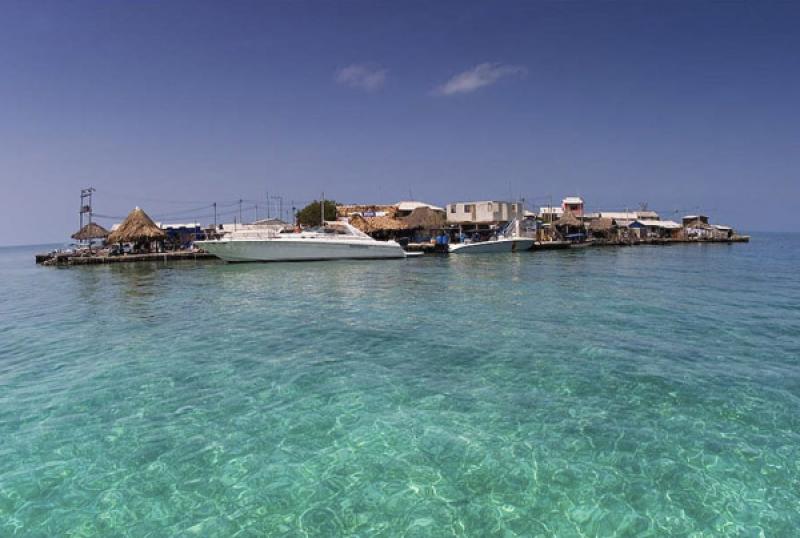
(550, 213)
(574, 205)
(484, 212)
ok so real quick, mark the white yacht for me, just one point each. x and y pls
(509, 239)
(333, 241)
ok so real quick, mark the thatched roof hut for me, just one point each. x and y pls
(570, 220)
(89, 232)
(137, 227)
(376, 224)
(425, 218)
(602, 224)
(349, 210)
(697, 223)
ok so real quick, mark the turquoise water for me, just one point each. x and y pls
(646, 391)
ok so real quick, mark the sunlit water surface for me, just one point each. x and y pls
(645, 391)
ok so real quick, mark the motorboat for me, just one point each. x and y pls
(334, 240)
(492, 245)
(510, 239)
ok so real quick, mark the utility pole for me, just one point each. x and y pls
(240, 210)
(267, 205)
(280, 205)
(215, 215)
(257, 212)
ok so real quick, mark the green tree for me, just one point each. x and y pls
(310, 214)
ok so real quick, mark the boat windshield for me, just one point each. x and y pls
(337, 229)
(329, 230)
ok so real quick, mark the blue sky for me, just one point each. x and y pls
(173, 105)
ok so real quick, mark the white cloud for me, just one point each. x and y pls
(362, 76)
(479, 76)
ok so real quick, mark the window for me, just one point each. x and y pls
(467, 208)
(453, 208)
(490, 206)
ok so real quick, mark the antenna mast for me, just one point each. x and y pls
(86, 205)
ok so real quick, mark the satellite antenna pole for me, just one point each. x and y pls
(86, 208)
(86, 204)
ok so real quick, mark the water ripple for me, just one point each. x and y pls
(607, 392)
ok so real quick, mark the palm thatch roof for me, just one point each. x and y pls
(375, 224)
(136, 227)
(90, 231)
(424, 218)
(697, 223)
(602, 224)
(568, 219)
(348, 210)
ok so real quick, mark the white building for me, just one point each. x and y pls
(655, 228)
(550, 213)
(486, 212)
(624, 218)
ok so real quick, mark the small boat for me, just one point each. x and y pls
(335, 240)
(508, 240)
(502, 244)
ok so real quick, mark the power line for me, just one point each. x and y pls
(153, 199)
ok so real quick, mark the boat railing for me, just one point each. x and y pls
(255, 235)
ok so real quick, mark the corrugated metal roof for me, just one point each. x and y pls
(164, 225)
(626, 215)
(409, 205)
(666, 224)
(652, 215)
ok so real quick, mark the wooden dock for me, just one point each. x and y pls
(62, 259)
(668, 241)
(427, 248)
(550, 245)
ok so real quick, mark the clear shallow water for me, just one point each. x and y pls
(644, 391)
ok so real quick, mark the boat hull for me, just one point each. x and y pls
(278, 250)
(488, 247)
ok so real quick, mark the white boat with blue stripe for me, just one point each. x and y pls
(510, 239)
